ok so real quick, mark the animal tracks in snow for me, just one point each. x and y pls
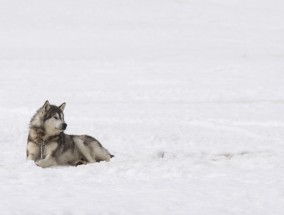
(241, 155)
(213, 157)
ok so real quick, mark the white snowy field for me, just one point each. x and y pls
(188, 95)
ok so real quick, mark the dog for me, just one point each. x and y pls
(49, 146)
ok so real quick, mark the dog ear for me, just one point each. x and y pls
(46, 106)
(62, 106)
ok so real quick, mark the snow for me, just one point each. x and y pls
(187, 94)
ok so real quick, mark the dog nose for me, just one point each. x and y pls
(64, 126)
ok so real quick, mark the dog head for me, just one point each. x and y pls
(53, 118)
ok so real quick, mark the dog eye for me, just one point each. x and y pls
(55, 117)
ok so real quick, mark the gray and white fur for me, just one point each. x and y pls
(48, 145)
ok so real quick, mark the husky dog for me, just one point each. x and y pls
(48, 145)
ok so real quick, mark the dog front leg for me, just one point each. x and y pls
(33, 151)
(46, 162)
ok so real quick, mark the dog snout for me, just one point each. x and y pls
(64, 126)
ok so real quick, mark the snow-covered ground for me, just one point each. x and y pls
(188, 95)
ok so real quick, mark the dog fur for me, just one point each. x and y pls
(48, 145)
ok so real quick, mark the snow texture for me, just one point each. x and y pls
(188, 95)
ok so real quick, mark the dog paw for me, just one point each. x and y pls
(81, 162)
(39, 163)
(42, 163)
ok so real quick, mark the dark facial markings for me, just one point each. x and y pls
(52, 112)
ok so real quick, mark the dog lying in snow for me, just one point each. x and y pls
(48, 145)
